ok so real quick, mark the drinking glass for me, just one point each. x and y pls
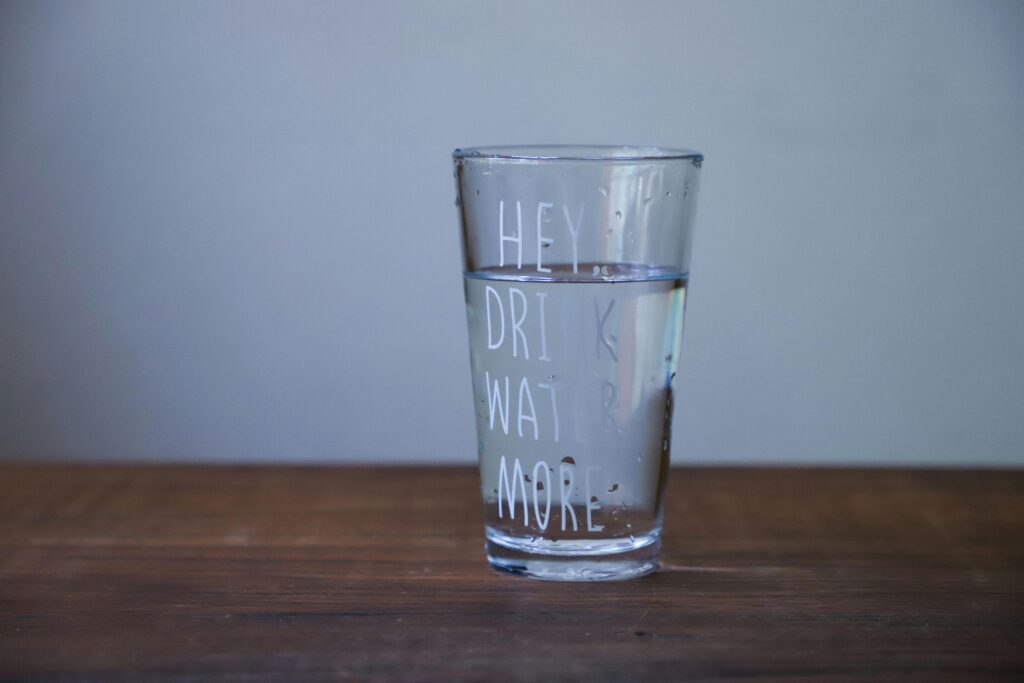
(575, 261)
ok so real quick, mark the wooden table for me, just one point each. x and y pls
(134, 573)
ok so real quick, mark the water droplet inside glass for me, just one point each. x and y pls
(593, 499)
(597, 270)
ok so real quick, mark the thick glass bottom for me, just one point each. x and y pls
(613, 559)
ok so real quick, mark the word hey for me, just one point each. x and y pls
(572, 224)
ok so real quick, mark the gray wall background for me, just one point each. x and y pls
(227, 229)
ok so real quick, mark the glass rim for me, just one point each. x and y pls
(600, 153)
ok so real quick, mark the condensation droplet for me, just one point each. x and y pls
(614, 488)
(604, 192)
(647, 200)
(618, 214)
(605, 271)
(540, 485)
(593, 499)
(668, 193)
(478, 191)
(597, 270)
(569, 460)
(527, 478)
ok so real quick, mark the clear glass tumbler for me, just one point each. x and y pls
(576, 262)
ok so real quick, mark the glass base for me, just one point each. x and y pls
(574, 560)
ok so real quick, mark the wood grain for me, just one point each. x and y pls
(137, 573)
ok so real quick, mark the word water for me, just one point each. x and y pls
(572, 379)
